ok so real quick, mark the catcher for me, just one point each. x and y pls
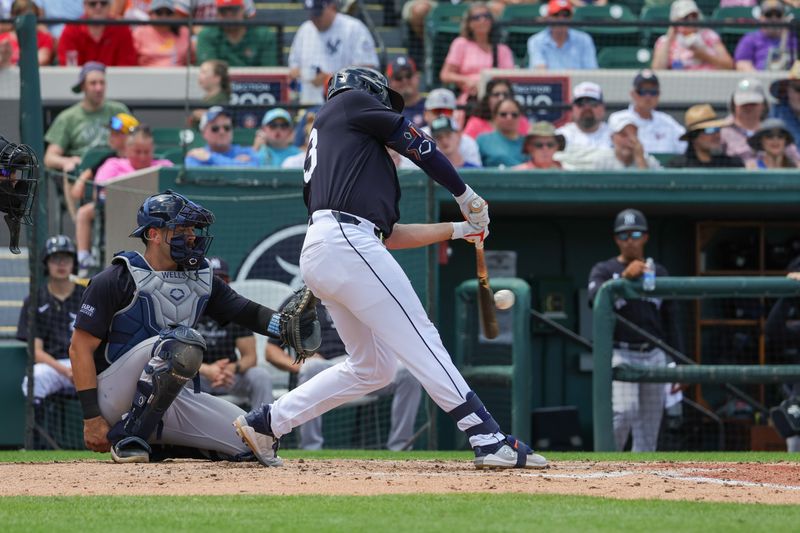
(135, 355)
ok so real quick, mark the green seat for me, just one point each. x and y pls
(635, 6)
(634, 57)
(610, 35)
(731, 35)
(651, 14)
(442, 26)
(664, 158)
(171, 137)
(244, 136)
(172, 154)
(516, 35)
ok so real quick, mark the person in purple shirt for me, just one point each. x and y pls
(767, 48)
(219, 151)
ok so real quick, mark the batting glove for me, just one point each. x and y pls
(469, 232)
(473, 207)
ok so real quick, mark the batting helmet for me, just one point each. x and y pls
(59, 244)
(367, 80)
(18, 180)
(169, 210)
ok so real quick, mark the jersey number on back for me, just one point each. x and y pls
(311, 156)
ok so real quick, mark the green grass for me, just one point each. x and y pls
(419, 512)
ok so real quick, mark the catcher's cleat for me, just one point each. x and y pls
(131, 450)
(264, 447)
(509, 453)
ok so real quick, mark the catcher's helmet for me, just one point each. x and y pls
(59, 244)
(367, 80)
(19, 177)
(170, 209)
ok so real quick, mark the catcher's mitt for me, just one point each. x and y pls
(296, 324)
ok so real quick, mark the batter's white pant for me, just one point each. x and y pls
(47, 380)
(405, 404)
(195, 420)
(638, 407)
(380, 319)
(255, 385)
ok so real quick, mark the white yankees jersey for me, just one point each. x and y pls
(346, 43)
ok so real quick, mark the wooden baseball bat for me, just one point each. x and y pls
(486, 307)
(83, 282)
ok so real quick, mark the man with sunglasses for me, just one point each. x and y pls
(219, 151)
(637, 407)
(768, 48)
(560, 47)
(110, 45)
(658, 132)
(705, 148)
(237, 45)
(404, 78)
(273, 142)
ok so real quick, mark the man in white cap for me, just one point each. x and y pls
(748, 108)
(628, 153)
(659, 133)
(442, 102)
(587, 129)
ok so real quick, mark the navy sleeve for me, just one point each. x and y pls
(366, 114)
(108, 292)
(22, 325)
(224, 303)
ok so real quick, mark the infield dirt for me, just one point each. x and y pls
(777, 483)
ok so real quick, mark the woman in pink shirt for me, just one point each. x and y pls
(162, 46)
(475, 50)
(497, 90)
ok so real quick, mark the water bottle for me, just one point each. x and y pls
(649, 281)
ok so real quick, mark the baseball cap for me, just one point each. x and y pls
(772, 5)
(315, 7)
(400, 64)
(749, 91)
(219, 265)
(619, 121)
(681, 8)
(91, 66)
(587, 89)
(442, 125)
(630, 219)
(155, 5)
(645, 76)
(230, 3)
(211, 114)
(557, 6)
(123, 123)
(275, 114)
(440, 99)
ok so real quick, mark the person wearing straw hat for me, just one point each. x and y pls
(787, 92)
(771, 143)
(705, 148)
(541, 144)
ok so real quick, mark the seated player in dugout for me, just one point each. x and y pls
(135, 353)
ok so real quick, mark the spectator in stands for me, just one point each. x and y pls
(442, 102)
(214, 80)
(476, 49)
(82, 125)
(120, 127)
(541, 144)
(787, 92)
(404, 78)
(60, 9)
(587, 131)
(705, 148)
(689, 47)
(503, 146)
(9, 46)
(219, 151)
(406, 389)
(110, 45)
(658, 132)
(749, 108)
(770, 144)
(205, 10)
(299, 159)
(561, 47)
(444, 131)
(326, 43)
(222, 371)
(497, 89)
(273, 142)
(628, 152)
(58, 303)
(162, 46)
(239, 46)
(767, 48)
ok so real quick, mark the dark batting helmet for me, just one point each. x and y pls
(59, 244)
(169, 210)
(18, 180)
(367, 80)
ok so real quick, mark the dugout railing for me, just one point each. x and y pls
(605, 318)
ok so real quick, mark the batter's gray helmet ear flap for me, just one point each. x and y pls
(367, 80)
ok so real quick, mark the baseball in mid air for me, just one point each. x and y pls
(503, 299)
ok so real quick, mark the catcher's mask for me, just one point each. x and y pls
(19, 177)
(368, 80)
(171, 210)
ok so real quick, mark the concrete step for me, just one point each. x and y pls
(14, 278)
(294, 14)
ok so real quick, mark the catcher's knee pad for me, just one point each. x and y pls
(786, 418)
(181, 353)
(474, 405)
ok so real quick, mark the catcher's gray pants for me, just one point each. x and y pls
(638, 407)
(405, 404)
(255, 385)
(195, 420)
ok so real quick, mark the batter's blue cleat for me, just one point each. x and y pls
(509, 453)
(253, 428)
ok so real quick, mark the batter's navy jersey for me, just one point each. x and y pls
(113, 289)
(55, 321)
(347, 166)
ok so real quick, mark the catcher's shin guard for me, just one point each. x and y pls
(786, 417)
